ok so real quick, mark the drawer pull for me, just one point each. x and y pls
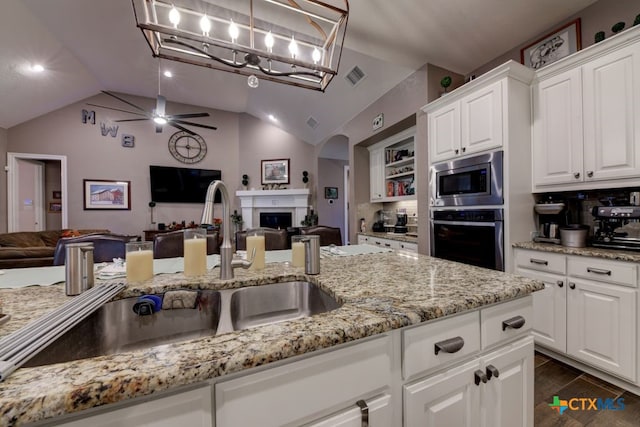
(538, 261)
(492, 371)
(387, 245)
(560, 283)
(364, 412)
(377, 243)
(514, 323)
(598, 271)
(479, 376)
(452, 345)
(572, 285)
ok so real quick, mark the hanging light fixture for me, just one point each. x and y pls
(295, 42)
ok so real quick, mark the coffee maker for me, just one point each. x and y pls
(378, 225)
(401, 222)
(617, 227)
(550, 217)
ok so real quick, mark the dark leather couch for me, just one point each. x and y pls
(106, 246)
(274, 239)
(171, 244)
(328, 235)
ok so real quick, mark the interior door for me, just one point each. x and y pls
(29, 204)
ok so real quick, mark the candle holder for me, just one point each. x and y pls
(255, 240)
(139, 261)
(195, 252)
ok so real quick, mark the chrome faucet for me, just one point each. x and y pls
(227, 264)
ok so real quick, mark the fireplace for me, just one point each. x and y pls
(275, 219)
(253, 203)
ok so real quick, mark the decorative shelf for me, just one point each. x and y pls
(404, 161)
(398, 175)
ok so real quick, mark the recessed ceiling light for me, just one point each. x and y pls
(168, 73)
(37, 68)
(272, 118)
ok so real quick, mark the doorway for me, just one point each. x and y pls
(29, 200)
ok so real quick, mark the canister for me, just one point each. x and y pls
(78, 268)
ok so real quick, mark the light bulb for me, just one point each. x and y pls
(160, 120)
(205, 25)
(37, 68)
(293, 47)
(316, 55)
(168, 73)
(253, 81)
(233, 31)
(174, 17)
(268, 41)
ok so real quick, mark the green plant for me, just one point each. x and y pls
(305, 176)
(310, 219)
(617, 27)
(236, 218)
(445, 82)
(245, 179)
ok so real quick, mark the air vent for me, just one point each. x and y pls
(313, 123)
(355, 76)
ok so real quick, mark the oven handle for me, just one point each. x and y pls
(469, 223)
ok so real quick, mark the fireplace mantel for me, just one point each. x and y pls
(252, 202)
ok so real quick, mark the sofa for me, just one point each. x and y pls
(33, 248)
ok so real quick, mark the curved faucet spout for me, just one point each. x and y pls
(226, 251)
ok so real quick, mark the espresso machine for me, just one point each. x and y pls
(378, 225)
(617, 227)
(401, 222)
(550, 217)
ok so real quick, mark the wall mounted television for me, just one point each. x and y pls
(181, 185)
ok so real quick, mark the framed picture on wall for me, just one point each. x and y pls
(275, 171)
(55, 207)
(102, 194)
(57, 195)
(554, 46)
(330, 192)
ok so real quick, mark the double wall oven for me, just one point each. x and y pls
(467, 215)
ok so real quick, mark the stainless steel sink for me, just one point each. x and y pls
(116, 328)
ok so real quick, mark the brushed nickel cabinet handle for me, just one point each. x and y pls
(538, 261)
(576, 175)
(479, 376)
(364, 412)
(560, 283)
(457, 151)
(572, 285)
(492, 371)
(590, 174)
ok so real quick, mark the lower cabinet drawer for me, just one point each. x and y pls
(541, 261)
(505, 321)
(618, 272)
(438, 343)
(308, 390)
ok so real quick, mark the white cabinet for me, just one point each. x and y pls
(378, 412)
(489, 391)
(468, 125)
(387, 243)
(589, 312)
(586, 122)
(392, 168)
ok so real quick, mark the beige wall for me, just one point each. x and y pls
(600, 16)
(237, 147)
(331, 175)
(3, 182)
(52, 183)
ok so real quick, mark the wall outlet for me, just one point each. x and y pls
(378, 121)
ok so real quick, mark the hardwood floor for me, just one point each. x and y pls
(553, 378)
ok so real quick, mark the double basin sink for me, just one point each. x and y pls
(116, 327)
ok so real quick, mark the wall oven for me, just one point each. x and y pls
(467, 182)
(473, 237)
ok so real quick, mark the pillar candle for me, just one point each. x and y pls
(195, 257)
(297, 254)
(139, 265)
(258, 243)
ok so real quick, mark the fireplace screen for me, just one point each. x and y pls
(275, 219)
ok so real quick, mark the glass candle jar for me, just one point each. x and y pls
(195, 252)
(139, 261)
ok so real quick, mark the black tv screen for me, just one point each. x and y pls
(181, 185)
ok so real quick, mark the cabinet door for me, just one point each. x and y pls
(601, 326)
(482, 119)
(507, 398)
(612, 115)
(379, 415)
(376, 174)
(557, 129)
(448, 399)
(549, 310)
(444, 132)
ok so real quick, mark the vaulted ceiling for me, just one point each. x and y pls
(92, 45)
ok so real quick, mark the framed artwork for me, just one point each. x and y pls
(57, 195)
(55, 207)
(102, 194)
(330, 192)
(275, 171)
(554, 46)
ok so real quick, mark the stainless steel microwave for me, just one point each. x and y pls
(473, 181)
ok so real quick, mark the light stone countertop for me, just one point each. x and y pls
(390, 236)
(613, 254)
(379, 292)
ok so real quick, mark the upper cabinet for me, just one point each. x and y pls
(392, 167)
(586, 127)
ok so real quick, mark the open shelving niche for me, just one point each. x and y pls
(395, 168)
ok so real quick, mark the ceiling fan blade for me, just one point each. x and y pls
(124, 100)
(131, 120)
(118, 109)
(193, 124)
(182, 128)
(161, 103)
(186, 116)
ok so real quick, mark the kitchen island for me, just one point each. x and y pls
(379, 293)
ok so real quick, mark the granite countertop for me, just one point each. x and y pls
(390, 236)
(613, 254)
(378, 292)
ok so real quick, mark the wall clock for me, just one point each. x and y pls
(187, 148)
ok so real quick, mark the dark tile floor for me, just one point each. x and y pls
(553, 378)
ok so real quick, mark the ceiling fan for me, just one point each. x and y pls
(158, 115)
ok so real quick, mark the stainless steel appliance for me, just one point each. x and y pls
(401, 223)
(617, 227)
(473, 237)
(472, 181)
(550, 217)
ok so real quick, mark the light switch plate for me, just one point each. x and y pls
(378, 121)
